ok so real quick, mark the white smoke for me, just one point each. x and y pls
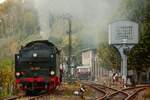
(94, 13)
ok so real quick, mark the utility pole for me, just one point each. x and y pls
(70, 45)
(69, 32)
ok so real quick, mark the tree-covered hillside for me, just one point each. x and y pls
(138, 11)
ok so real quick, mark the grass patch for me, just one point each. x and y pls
(68, 89)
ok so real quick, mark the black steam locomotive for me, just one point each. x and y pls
(37, 67)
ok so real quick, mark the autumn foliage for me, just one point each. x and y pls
(7, 76)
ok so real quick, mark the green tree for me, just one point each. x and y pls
(108, 56)
(138, 11)
(7, 76)
(20, 25)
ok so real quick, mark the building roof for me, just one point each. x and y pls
(83, 67)
(88, 49)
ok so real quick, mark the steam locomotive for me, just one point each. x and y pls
(37, 67)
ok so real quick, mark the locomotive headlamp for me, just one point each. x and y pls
(52, 72)
(34, 54)
(18, 57)
(52, 56)
(17, 74)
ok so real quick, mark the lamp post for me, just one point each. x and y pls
(70, 47)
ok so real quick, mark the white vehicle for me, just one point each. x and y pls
(83, 72)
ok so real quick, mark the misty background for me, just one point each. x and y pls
(90, 18)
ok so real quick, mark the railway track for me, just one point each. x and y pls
(101, 90)
(109, 90)
(13, 97)
(40, 97)
(102, 93)
(127, 93)
(119, 95)
(107, 93)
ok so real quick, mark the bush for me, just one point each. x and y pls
(7, 76)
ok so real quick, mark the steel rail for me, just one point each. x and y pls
(101, 91)
(39, 97)
(13, 97)
(133, 95)
(130, 96)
